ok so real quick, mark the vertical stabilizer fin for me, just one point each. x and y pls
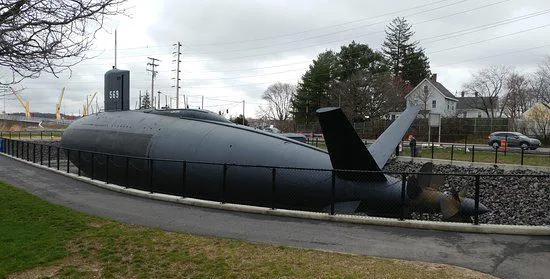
(346, 150)
(384, 146)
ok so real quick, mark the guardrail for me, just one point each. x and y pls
(148, 174)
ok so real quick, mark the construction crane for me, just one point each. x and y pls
(58, 105)
(24, 103)
(89, 102)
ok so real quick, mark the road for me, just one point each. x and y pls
(501, 255)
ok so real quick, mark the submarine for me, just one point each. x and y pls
(200, 154)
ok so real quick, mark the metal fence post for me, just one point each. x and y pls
(522, 153)
(68, 160)
(41, 154)
(476, 201)
(403, 193)
(93, 163)
(452, 151)
(51, 135)
(57, 158)
(19, 134)
(473, 152)
(126, 172)
(34, 152)
(41, 135)
(17, 149)
(332, 192)
(79, 162)
(184, 179)
(273, 187)
(432, 149)
(496, 155)
(224, 183)
(28, 155)
(150, 175)
(465, 143)
(49, 156)
(107, 168)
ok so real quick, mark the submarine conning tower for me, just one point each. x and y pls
(117, 90)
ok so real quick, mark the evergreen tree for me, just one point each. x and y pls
(416, 67)
(405, 58)
(313, 90)
(359, 57)
(145, 101)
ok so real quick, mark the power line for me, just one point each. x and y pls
(336, 32)
(315, 29)
(340, 40)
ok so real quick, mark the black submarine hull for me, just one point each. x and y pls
(192, 156)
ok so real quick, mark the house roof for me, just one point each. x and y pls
(442, 89)
(476, 102)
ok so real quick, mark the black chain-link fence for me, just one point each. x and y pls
(510, 198)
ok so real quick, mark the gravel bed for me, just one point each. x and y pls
(513, 200)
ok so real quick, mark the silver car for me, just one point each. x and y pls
(514, 139)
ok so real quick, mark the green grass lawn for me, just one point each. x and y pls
(479, 156)
(41, 240)
(483, 156)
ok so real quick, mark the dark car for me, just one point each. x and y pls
(514, 139)
(294, 136)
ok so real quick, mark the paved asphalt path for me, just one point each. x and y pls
(501, 255)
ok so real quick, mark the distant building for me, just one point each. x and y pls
(474, 107)
(432, 97)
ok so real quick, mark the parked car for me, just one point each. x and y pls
(294, 136)
(514, 139)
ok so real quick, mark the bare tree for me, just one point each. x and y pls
(49, 35)
(421, 98)
(489, 85)
(541, 82)
(518, 98)
(279, 97)
(538, 119)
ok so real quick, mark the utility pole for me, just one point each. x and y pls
(202, 102)
(178, 61)
(158, 100)
(243, 112)
(153, 64)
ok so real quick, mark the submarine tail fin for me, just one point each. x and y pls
(346, 150)
(384, 146)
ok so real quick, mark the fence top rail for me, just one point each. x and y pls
(285, 167)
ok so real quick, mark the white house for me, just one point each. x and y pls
(433, 97)
(471, 107)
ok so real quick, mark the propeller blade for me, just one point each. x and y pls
(425, 179)
(437, 181)
(449, 207)
(455, 195)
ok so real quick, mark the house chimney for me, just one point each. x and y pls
(475, 94)
(434, 77)
(462, 94)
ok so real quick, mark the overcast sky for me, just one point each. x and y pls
(233, 50)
